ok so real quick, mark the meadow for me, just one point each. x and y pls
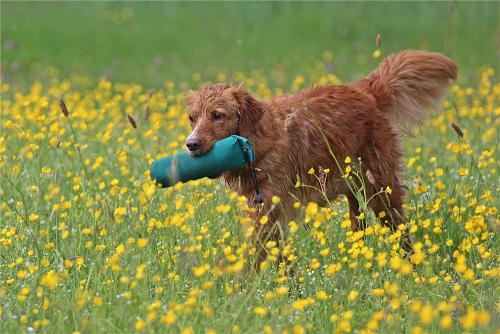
(89, 244)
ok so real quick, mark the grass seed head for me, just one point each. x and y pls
(378, 41)
(457, 129)
(132, 121)
(63, 107)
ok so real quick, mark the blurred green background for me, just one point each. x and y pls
(151, 42)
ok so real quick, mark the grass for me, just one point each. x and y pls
(154, 42)
(88, 244)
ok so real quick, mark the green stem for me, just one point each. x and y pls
(23, 217)
(75, 138)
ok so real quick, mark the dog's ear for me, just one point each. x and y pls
(250, 109)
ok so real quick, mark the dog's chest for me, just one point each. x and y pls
(238, 182)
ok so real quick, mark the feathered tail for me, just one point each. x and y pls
(410, 84)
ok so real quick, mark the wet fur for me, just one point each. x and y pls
(292, 133)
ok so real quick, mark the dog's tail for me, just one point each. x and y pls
(410, 84)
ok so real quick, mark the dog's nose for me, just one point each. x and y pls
(193, 143)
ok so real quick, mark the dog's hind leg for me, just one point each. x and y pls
(383, 159)
(392, 205)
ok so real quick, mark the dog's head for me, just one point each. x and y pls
(218, 111)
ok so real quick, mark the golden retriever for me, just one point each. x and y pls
(319, 127)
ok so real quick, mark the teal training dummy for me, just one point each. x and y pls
(225, 155)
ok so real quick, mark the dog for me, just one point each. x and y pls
(319, 128)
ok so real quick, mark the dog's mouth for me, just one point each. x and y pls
(199, 152)
(194, 153)
(203, 148)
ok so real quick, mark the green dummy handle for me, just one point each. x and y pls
(228, 154)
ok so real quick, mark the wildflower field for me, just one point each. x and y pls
(89, 244)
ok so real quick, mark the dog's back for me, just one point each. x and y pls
(364, 120)
(403, 89)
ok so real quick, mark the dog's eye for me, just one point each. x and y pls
(217, 116)
(191, 119)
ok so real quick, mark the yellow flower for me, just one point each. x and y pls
(332, 269)
(300, 304)
(281, 291)
(50, 280)
(21, 274)
(426, 314)
(169, 318)
(468, 321)
(201, 270)
(483, 318)
(345, 326)
(417, 257)
(406, 268)
(223, 208)
(293, 226)
(311, 209)
(463, 171)
(139, 325)
(142, 242)
(417, 330)
(353, 295)
(298, 329)
(276, 199)
(324, 251)
(376, 54)
(314, 263)
(97, 301)
(395, 304)
(395, 262)
(263, 220)
(311, 171)
(260, 310)
(446, 322)
(347, 160)
(322, 295)
(187, 330)
(120, 211)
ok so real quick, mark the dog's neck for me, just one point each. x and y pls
(262, 134)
